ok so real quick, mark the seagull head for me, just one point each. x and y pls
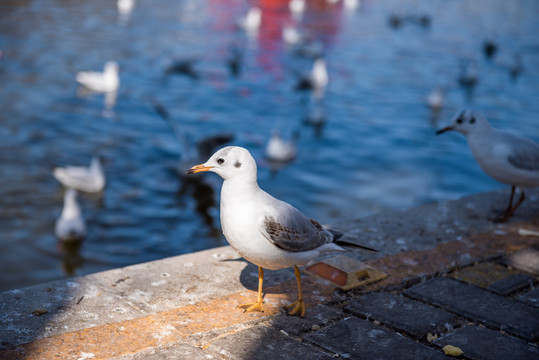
(466, 122)
(229, 162)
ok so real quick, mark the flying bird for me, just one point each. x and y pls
(505, 157)
(266, 231)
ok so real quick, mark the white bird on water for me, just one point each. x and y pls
(507, 158)
(435, 99)
(88, 179)
(317, 80)
(70, 225)
(264, 230)
(106, 81)
(280, 150)
(251, 22)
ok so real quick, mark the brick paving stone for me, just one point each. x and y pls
(511, 284)
(260, 342)
(479, 343)
(531, 297)
(169, 352)
(402, 314)
(320, 315)
(354, 338)
(483, 274)
(480, 305)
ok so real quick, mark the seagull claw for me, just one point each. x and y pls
(257, 306)
(297, 308)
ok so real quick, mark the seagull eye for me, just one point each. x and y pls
(459, 121)
(220, 161)
(472, 120)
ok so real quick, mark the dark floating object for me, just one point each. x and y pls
(490, 48)
(183, 67)
(234, 60)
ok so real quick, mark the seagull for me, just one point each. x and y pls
(317, 80)
(469, 74)
(435, 99)
(234, 60)
(251, 21)
(280, 150)
(292, 35)
(184, 66)
(106, 81)
(296, 6)
(268, 232)
(490, 48)
(88, 179)
(125, 6)
(70, 225)
(507, 158)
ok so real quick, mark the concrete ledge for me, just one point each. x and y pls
(185, 303)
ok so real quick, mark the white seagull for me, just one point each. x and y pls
(251, 22)
(435, 99)
(317, 80)
(125, 6)
(70, 225)
(507, 158)
(106, 81)
(264, 230)
(280, 150)
(88, 179)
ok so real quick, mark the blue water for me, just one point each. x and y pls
(376, 151)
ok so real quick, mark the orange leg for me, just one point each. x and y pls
(257, 306)
(298, 307)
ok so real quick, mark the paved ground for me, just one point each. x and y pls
(444, 275)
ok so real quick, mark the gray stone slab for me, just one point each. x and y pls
(320, 315)
(403, 314)
(479, 343)
(58, 307)
(184, 280)
(354, 338)
(531, 297)
(261, 342)
(175, 351)
(511, 284)
(480, 305)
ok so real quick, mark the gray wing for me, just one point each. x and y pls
(292, 231)
(524, 154)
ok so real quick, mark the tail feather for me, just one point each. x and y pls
(336, 235)
(351, 244)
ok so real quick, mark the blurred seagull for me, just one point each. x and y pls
(190, 152)
(297, 7)
(106, 81)
(469, 73)
(490, 48)
(234, 60)
(280, 150)
(125, 6)
(251, 22)
(435, 99)
(185, 66)
(517, 67)
(317, 80)
(70, 225)
(268, 232)
(292, 35)
(507, 158)
(88, 179)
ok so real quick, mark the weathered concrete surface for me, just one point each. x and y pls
(189, 303)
